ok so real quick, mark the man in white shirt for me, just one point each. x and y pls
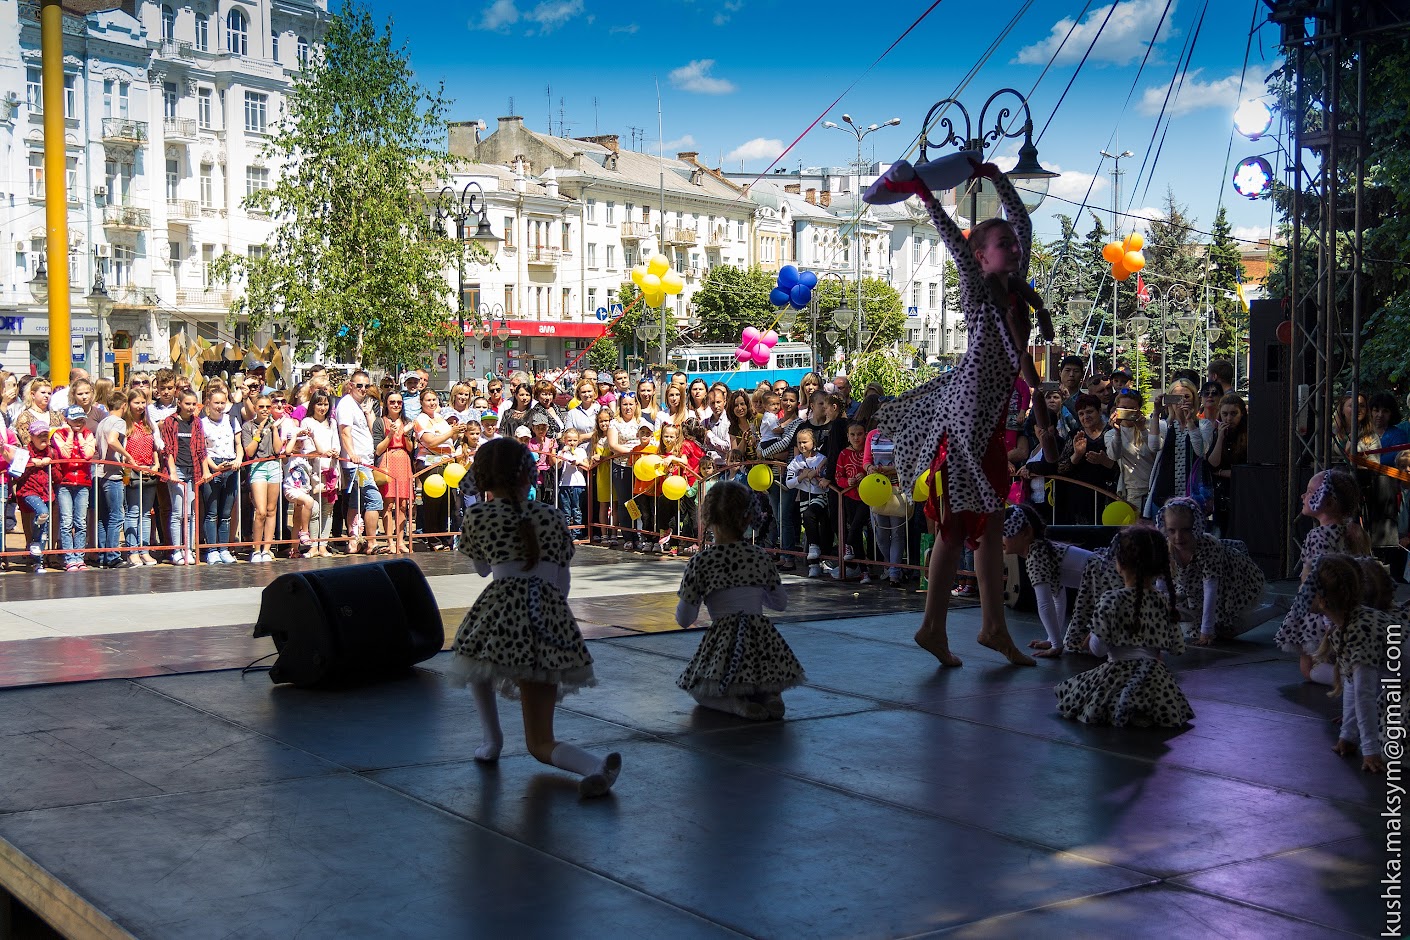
(355, 437)
(59, 401)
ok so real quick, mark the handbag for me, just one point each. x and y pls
(380, 477)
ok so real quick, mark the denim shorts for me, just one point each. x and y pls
(266, 471)
(369, 497)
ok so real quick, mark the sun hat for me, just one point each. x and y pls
(522, 431)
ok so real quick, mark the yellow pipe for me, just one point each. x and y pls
(56, 200)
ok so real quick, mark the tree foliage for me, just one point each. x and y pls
(640, 352)
(1226, 270)
(356, 263)
(893, 371)
(885, 315)
(731, 299)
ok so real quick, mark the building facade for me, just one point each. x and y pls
(168, 107)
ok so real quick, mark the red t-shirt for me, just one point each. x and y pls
(76, 469)
(851, 468)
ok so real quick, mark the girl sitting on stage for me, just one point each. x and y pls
(1053, 567)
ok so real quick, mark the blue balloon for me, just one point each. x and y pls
(808, 279)
(787, 276)
(801, 295)
(778, 296)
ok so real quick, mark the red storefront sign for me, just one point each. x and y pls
(560, 329)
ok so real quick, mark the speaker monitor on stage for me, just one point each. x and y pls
(337, 626)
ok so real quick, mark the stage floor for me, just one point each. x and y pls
(898, 799)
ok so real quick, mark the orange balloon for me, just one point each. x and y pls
(1134, 242)
(1112, 251)
(1120, 272)
(1134, 261)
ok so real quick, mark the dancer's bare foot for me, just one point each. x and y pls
(1039, 645)
(939, 647)
(1052, 652)
(1003, 643)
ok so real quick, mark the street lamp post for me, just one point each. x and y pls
(841, 317)
(460, 207)
(1176, 296)
(859, 132)
(488, 317)
(1027, 168)
(101, 305)
(1115, 159)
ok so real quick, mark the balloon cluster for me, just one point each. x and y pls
(755, 346)
(794, 288)
(1125, 256)
(656, 280)
(436, 484)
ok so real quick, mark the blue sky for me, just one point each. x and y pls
(740, 79)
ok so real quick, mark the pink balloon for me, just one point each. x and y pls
(749, 337)
(761, 354)
(769, 339)
(742, 355)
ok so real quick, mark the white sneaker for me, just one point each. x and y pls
(866, 578)
(815, 571)
(839, 573)
(814, 552)
(178, 559)
(847, 555)
(226, 558)
(213, 558)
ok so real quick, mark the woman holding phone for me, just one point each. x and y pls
(1185, 438)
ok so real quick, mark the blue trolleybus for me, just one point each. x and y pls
(715, 362)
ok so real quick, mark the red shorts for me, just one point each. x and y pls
(967, 523)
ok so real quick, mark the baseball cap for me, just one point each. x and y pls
(38, 427)
(539, 418)
(74, 413)
(489, 416)
(522, 431)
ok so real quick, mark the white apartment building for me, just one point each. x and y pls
(168, 108)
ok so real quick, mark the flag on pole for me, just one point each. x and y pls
(1239, 289)
(1142, 294)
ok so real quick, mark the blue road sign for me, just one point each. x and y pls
(601, 313)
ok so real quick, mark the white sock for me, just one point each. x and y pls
(732, 705)
(599, 773)
(485, 704)
(1323, 674)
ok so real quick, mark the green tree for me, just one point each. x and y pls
(355, 262)
(640, 352)
(1175, 269)
(885, 315)
(893, 371)
(604, 355)
(731, 299)
(1226, 269)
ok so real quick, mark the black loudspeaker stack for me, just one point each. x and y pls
(338, 626)
(1269, 375)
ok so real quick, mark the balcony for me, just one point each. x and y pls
(179, 128)
(214, 297)
(134, 295)
(182, 210)
(636, 231)
(123, 131)
(128, 218)
(681, 236)
(546, 257)
(175, 49)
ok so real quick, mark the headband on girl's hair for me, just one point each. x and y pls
(1324, 489)
(1014, 522)
(1187, 504)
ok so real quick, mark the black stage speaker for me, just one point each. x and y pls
(1268, 376)
(1259, 504)
(337, 626)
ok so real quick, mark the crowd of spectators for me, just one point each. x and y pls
(154, 472)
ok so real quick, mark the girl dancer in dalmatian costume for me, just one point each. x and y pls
(954, 424)
(1053, 567)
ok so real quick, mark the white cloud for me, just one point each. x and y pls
(629, 29)
(760, 148)
(1122, 42)
(1195, 95)
(1071, 184)
(695, 76)
(1251, 233)
(552, 14)
(727, 9)
(498, 16)
(673, 147)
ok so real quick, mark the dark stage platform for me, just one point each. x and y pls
(897, 800)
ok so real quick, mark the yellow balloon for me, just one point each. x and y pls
(674, 487)
(1134, 261)
(573, 403)
(672, 282)
(638, 272)
(434, 485)
(453, 474)
(658, 265)
(875, 490)
(647, 468)
(654, 298)
(921, 492)
(1134, 242)
(1118, 514)
(650, 284)
(760, 477)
